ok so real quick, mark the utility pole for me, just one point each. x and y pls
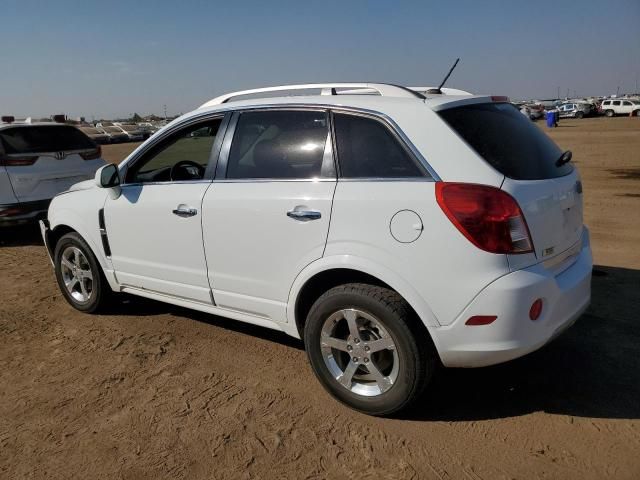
(558, 97)
(165, 113)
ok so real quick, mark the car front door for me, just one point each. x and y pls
(154, 226)
(627, 107)
(266, 215)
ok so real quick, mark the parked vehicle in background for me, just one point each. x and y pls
(116, 134)
(95, 134)
(341, 219)
(135, 133)
(148, 129)
(620, 106)
(38, 161)
(574, 110)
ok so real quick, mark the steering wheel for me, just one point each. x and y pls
(184, 170)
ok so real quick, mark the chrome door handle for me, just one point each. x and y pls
(304, 215)
(184, 211)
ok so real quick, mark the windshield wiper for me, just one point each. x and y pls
(564, 158)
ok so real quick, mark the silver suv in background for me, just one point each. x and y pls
(574, 110)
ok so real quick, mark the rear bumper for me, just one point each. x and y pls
(565, 295)
(24, 212)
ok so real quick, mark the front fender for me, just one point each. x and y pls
(364, 265)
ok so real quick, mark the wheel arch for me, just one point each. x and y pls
(329, 272)
(65, 222)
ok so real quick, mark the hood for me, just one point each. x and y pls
(84, 185)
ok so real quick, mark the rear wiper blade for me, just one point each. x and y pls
(564, 158)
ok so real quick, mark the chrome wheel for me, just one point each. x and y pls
(76, 274)
(359, 352)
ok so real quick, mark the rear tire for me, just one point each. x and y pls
(609, 113)
(365, 347)
(79, 275)
(579, 114)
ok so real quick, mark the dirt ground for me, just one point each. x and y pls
(153, 391)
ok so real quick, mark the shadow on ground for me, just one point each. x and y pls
(592, 370)
(20, 235)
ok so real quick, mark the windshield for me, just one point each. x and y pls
(130, 128)
(507, 140)
(112, 130)
(37, 139)
(91, 131)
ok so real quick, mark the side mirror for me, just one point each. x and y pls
(108, 176)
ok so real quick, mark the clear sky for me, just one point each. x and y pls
(112, 58)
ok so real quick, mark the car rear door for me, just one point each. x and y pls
(44, 160)
(154, 226)
(266, 215)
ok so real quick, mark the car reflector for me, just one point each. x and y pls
(481, 320)
(536, 309)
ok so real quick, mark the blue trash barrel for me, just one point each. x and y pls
(550, 118)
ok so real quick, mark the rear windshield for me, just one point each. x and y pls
(507, 140)
(39, 139)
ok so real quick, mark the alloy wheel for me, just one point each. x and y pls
(76, 274)
(359, 352)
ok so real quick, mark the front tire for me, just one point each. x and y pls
(609, 113)
(367, 350)
(580, 115)
(79, 275)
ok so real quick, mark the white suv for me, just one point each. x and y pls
(620, 106)
(391, 232)
(38, 161)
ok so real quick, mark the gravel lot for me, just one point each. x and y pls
(154, 391)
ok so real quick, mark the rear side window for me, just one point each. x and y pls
(508, 141)
(40, 139)
(367, 149)
(278, 144)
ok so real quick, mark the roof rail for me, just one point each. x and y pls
(384, 89)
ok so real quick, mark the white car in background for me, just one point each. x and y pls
(392, 232)
(38, 161)
(620, 106)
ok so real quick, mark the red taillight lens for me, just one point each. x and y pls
(536, 309)
(480, 320)
(17, 160)
(92, 154)
(489, 217)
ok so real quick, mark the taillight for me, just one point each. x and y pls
(92, 154)
(489, 217)
(17, 160)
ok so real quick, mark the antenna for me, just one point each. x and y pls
(437, 90)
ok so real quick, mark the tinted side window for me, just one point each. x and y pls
(616, 103)
(367, 149)
(182, 156)
(278, 144)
